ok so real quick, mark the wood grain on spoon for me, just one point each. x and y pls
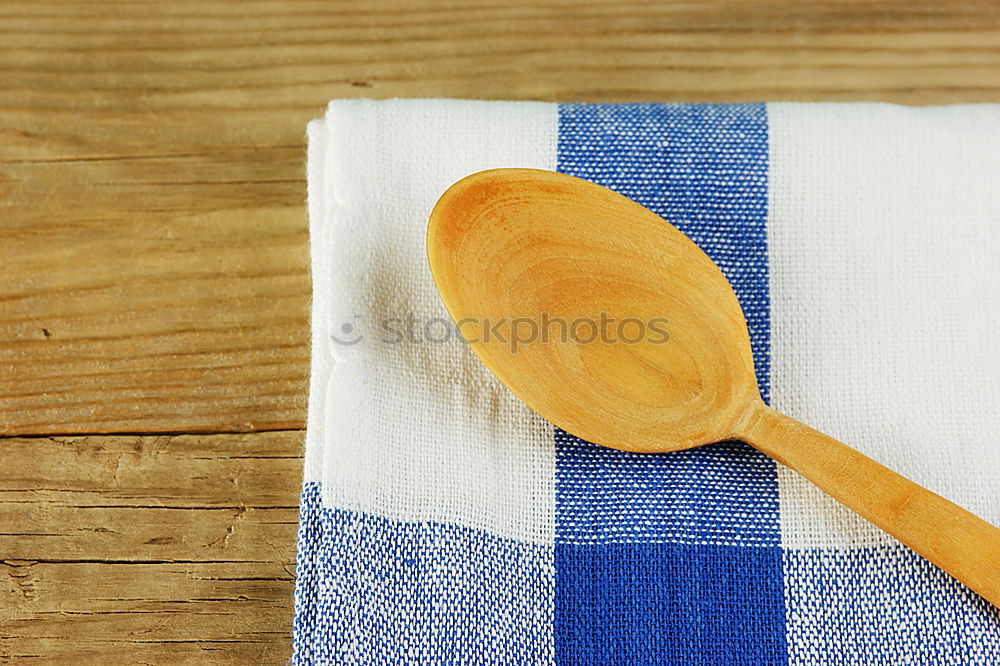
(521, 253)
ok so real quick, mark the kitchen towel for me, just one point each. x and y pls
(443, 522)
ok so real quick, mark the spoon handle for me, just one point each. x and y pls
(964, 545)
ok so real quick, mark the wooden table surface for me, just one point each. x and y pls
(154, 281)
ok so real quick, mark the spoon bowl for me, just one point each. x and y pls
(616, 327)
(645, 365)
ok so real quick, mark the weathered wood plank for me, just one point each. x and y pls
(262, 470)
(135, 533)
(154, 254)
(153, 613)
(191, 498)
(239, 652)
(143, 321)
(148, 549)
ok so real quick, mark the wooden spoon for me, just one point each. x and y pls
(516, 250)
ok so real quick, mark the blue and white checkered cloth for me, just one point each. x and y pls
(443, 522)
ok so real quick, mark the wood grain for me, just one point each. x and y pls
(154, 255)
(153, 613)
(148, 549)
(571, 314)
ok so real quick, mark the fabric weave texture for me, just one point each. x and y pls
(443, 522)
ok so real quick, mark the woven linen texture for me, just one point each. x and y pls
(694, 534)
(442, 522)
